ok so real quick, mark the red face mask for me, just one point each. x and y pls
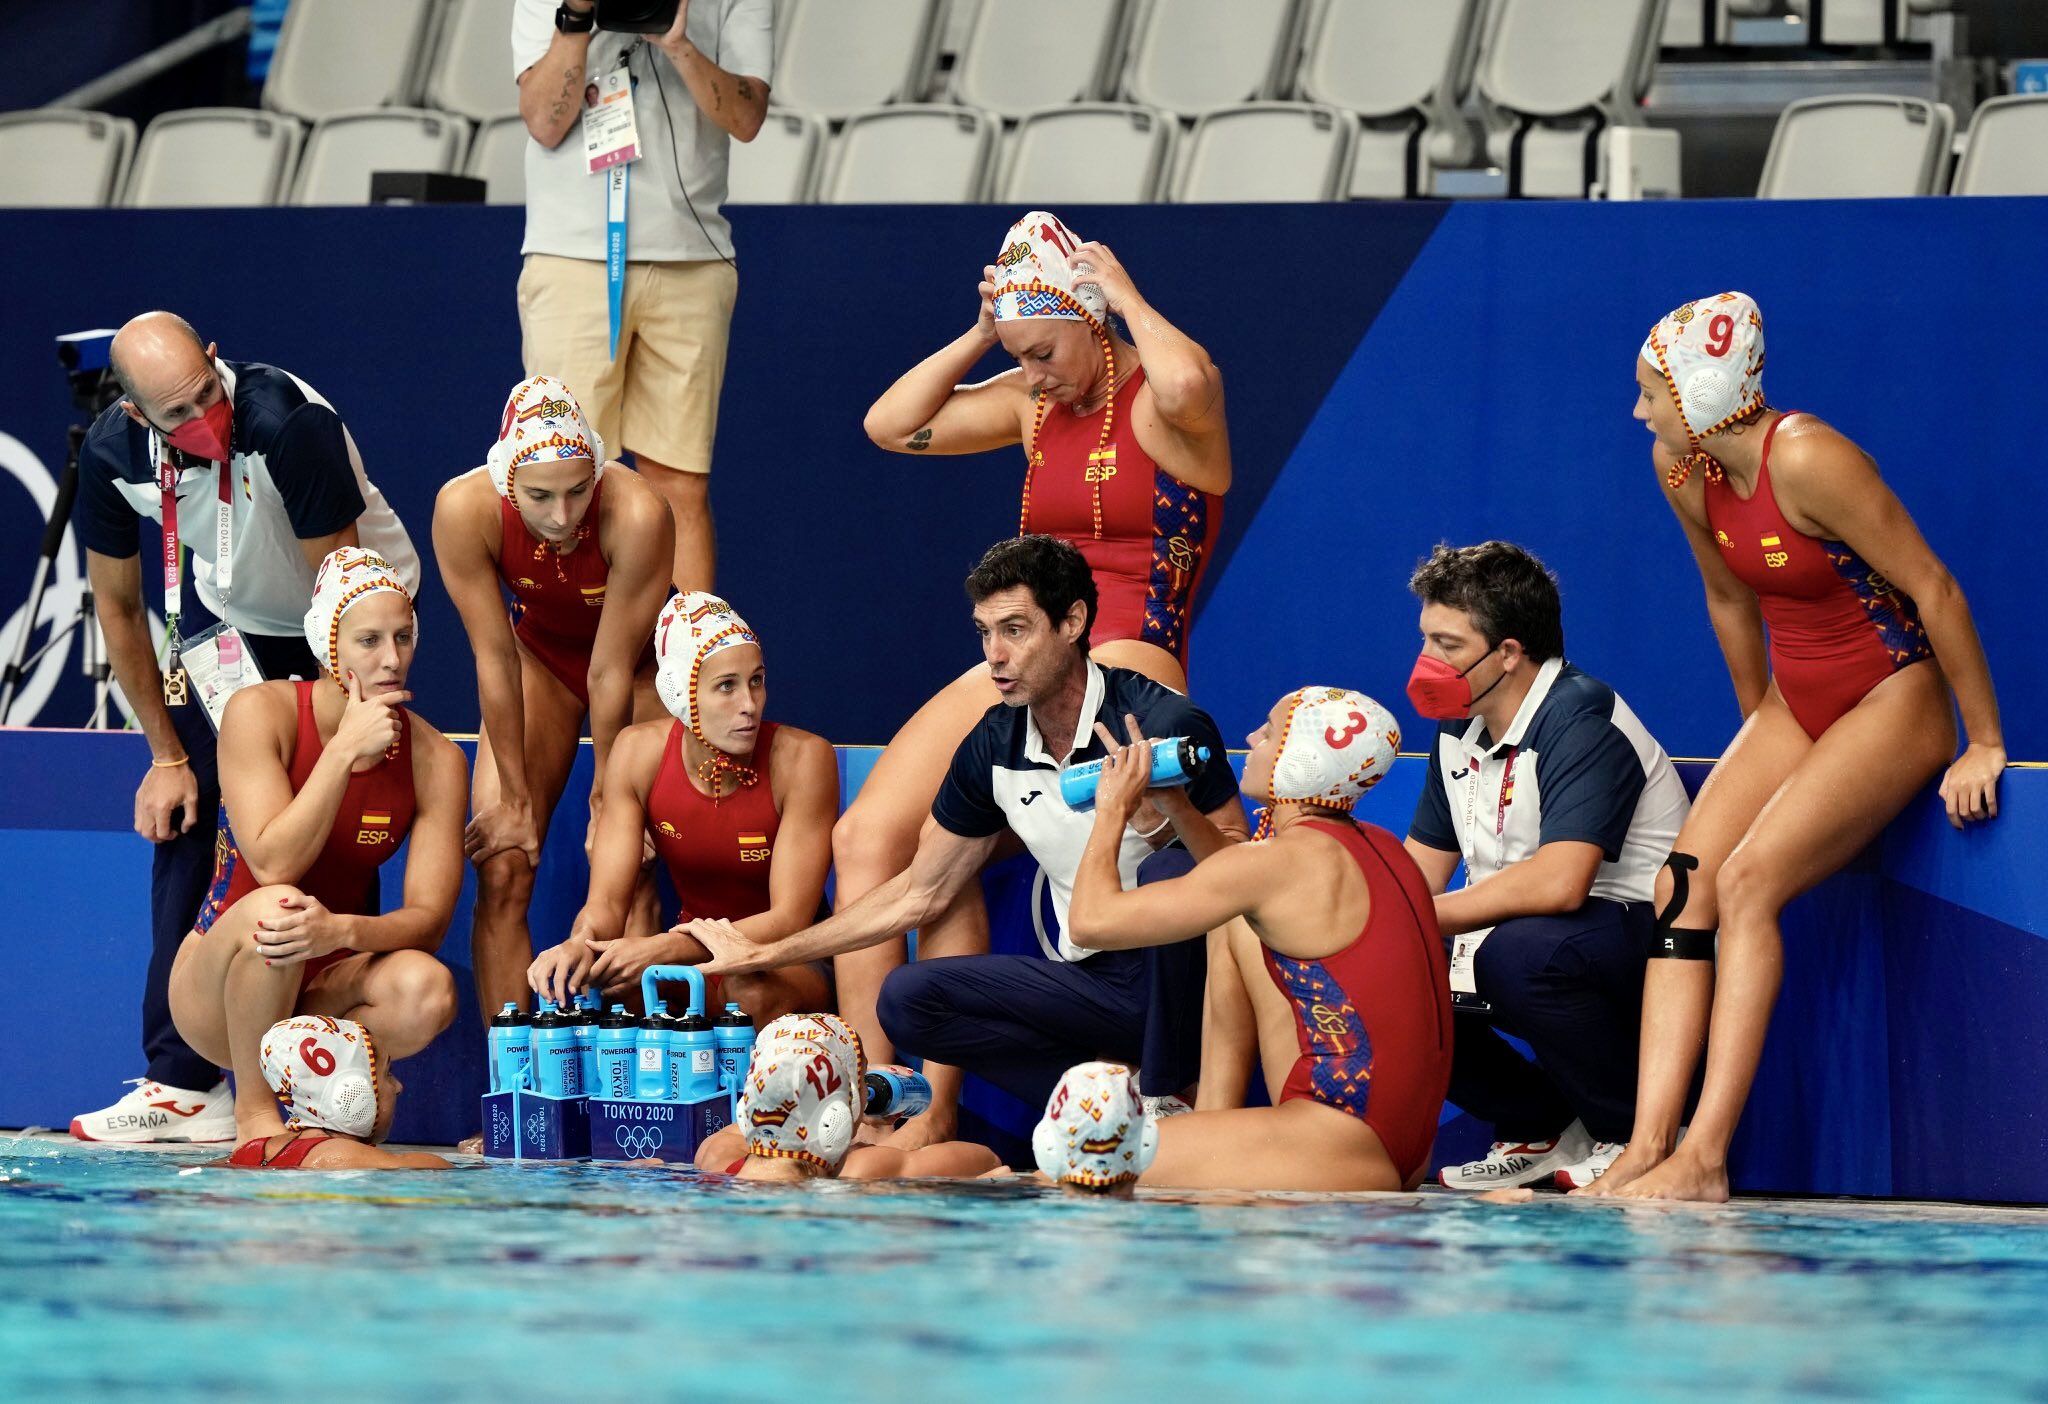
(208, 436)
(1442, 693)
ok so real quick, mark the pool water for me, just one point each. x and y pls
(131, 1275)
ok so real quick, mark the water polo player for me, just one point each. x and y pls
(339, 1095)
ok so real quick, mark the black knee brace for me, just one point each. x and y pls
(1668, 942)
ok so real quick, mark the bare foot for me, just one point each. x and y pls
(470, 1145)
(1508, 1195)
(920, 1131)
(1684, 1176)
(1631, 1165)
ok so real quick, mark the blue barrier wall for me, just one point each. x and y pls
(1907, 1057)
(1396, 375)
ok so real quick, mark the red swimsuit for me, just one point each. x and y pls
(1374, 1019)
(717, 853)
(1155, 530)
(250, 1155)
(375, 815)
(557, 599)
(1837, 627)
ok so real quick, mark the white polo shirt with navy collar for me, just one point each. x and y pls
(1575, 765)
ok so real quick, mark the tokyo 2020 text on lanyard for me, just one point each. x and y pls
(224, 643)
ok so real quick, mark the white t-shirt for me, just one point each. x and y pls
(565, 203)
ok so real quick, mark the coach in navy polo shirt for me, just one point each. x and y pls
(1562, 808)
(259, 462)
(1022, 1021)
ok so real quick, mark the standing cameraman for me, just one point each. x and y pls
(248, 466)
(641, 343)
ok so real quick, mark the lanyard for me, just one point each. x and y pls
(1500, 813)
(174, 584)
(615, 244)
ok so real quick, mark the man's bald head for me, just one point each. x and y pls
(162, 366)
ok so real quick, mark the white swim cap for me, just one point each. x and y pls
(1036, 277)
(1335, 744)
(803, 1094)
(348, 574)
(693, 627)
(1710, 354)
(1096, 1131)
(324, 1071)
(542, 420)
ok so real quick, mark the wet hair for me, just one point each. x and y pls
(1505, 590)
(1053, 570)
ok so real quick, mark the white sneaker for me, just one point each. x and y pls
(1512, 1163)
(1581, 1173)
(154, 1112)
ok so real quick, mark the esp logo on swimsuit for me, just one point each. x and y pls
(1774, 559)
(755, 848)
(374, 828)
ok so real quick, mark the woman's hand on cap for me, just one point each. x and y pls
(1095, 265)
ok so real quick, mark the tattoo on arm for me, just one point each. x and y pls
(921, 440)
(572, 84)
(745, 90)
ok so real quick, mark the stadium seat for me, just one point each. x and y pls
(2006, 152)
(838, 57)
(780, 165)
(214, 156)
(1402, 67)
(1268, 151)
(338, 56)
(1552, 77)
(50, 157)
(346, 148)
(1020, 58)
(911, 155)
(1858, 147)
(497, 157)
(469, 72)
(1090, 154)
(1194, 56)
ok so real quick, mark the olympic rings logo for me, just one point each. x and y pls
(637, 1141)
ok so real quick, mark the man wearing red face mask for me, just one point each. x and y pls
(251, 469)
(1562, 808)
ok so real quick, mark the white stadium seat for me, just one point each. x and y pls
(1193, 56)
(346, 148)
(1090, 154)
(2006, 152)
(497, 157)
(1020, 58)
(1268, 151)
(470, 73)
(780, 165)
(1858, 147)
(1552, 75)
(1403, 67)
(911, 155)
(342, 55)
(838, 57)
(51, 157)
(214, 156)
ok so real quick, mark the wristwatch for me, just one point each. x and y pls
(572, 21)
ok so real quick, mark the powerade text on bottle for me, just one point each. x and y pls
(511, 1049)
(618, 1044)
(735, 1035)
(1175, 761)
(588, 1005)
(557, 1063)
(693, 1054)
(890, 1091)
(650, 1075)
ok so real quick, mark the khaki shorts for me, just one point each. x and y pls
(660, 398)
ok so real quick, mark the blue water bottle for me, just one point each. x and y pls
(1175, 761)
(650, 1075)
(557, 1065)
(618, 1044)
(890, 1092)
(735, 1035)
(695, 1058)
(589, 1005)
(510, 1046)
